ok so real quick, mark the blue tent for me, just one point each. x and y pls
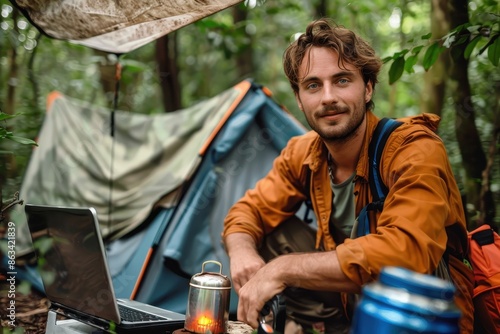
(179, 239)
(154, 261)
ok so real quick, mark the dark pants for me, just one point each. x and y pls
(313, 310)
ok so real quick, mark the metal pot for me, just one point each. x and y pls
(208, 302)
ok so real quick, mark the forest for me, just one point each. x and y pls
(440, 56)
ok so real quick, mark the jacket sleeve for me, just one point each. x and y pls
(423, 200)
(275, 198)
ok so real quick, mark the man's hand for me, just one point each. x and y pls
(263, 286)
(318, 271)
(245, 261)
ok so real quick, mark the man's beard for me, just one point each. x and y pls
(349, 131)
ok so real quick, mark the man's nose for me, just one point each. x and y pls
(330, 95)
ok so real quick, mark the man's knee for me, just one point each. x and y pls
(293, 235)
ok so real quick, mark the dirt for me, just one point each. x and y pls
(30, 309)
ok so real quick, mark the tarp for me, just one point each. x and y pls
(79, 163)
(116, 26)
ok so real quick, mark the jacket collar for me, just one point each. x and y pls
(318, 153)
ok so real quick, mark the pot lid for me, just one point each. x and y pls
(213, 280)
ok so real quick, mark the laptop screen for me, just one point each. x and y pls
(71, 259)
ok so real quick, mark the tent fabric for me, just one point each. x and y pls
(220, 148)
(242, 152)
(78, 162)
(116, 26)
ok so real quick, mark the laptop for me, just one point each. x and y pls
(73, 265)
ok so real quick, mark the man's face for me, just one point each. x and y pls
(332, 97)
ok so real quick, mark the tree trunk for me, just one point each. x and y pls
(435, 79)
(469, 142)
(393, 92)
(13, 69)
(487, 209)
(320, 10)
(8, 161)
(166, 58)
(244, 58)
(32, 77)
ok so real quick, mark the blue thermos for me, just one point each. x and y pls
(403, 301)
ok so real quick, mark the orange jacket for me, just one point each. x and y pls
(422, 215)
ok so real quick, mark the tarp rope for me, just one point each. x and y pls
(118, 76)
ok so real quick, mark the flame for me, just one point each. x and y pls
(205, 321)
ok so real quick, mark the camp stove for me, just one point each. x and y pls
(208, 302)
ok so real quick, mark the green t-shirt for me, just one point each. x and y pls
(343, 217)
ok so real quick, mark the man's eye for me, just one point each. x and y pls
(343, 81)
(312, 86)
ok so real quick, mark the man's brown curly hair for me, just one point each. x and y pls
(351, 49)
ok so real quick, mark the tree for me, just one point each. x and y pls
(455, 48)
(216, 52)
(166, 57)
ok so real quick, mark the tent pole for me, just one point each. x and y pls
(118, 75)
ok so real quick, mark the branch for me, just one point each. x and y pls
(13, 202)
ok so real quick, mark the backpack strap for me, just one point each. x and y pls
(382, 132)
(377, 187)
(308, 202)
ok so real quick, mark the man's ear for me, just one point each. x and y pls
(299, 103)
(368, 91)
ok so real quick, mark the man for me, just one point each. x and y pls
(333, 73)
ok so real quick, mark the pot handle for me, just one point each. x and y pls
(211, 261)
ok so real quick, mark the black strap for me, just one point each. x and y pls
(308, 201)
(377, 187)
(484, 237)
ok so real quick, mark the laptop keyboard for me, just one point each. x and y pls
(133, 315)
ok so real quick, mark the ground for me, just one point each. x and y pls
(30, 309)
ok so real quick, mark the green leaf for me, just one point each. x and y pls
(474, 28)
(4, 133)
(48, 276)
(133, 66)
(494, 51)
(490, 41)
(431, 55)
(43, 245)
(428, 36)
(470, 47)
(401, 53)
(410, 62)
(461, 40)
(460, 28)
(387, 59)
(396, 70)
(4, 116)
(24, 288)
(22, 140)
(416, 50)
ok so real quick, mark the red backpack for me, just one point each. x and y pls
(484, 254)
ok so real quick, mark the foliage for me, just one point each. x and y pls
(207, 52)
(462, 41)
(5, 134)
